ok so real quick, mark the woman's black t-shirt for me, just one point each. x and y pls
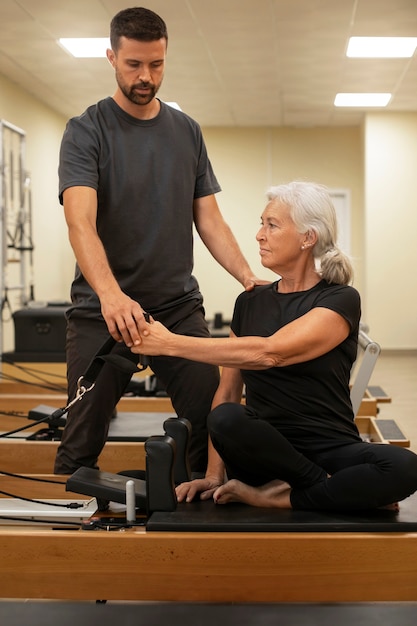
(309, 402)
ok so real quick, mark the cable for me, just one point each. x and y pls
(87, 525)
(18, 430)
(71, 505)
(36, 374)
(40, 521)
(26, 477)
(100, 524)
(89, 377)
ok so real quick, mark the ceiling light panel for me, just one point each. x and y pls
(381, 47)
(362, 99)
(86, 47)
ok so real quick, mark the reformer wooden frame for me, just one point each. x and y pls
(207, 567)
(40, 562)
(194, 567)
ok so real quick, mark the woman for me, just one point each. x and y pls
(293, 343)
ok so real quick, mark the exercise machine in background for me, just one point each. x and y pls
(16, 243)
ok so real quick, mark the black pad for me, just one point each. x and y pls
(201, 516)
(98, 484)
(179, 429)
(160, 489)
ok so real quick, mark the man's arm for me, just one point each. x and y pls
(220, 241)
(123, 316)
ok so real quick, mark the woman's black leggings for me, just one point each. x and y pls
(362, 475)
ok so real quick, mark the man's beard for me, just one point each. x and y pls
(135, 97)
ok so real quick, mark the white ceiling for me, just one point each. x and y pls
(230, 62)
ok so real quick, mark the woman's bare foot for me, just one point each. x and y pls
(275, 494)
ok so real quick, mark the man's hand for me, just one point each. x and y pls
(251, 282)
(124, 318)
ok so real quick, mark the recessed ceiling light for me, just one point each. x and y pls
(381, 47)
(87, 47)
(362, 99)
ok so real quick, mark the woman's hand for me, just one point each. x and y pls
(204, 486)
(153, 340)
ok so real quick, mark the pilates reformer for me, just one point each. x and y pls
(166, 466)
(377, 429)
(167, 515)
(223, 554)
(201, 552)
(218, 554)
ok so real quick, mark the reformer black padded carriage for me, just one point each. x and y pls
(207, 516)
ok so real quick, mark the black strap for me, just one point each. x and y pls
(88, 380)
(103, 355)
(97, 362)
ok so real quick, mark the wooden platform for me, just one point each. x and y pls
(24, 402)
(38, 457)
(216, 567)
(203, 567)
(213, 567)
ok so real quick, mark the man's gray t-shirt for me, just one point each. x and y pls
(147, 174)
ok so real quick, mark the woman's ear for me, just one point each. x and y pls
(310, 238)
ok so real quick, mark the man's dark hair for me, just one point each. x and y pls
(137, 23)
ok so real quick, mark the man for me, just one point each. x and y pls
(134, 178)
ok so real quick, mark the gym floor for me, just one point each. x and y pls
(396, 373)
(41, 613)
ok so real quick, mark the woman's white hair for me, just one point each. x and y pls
(311, 209)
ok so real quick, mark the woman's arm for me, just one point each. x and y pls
(308, 337)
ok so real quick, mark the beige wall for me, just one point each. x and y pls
(377, 164)
(391, 227)
(52, 258)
